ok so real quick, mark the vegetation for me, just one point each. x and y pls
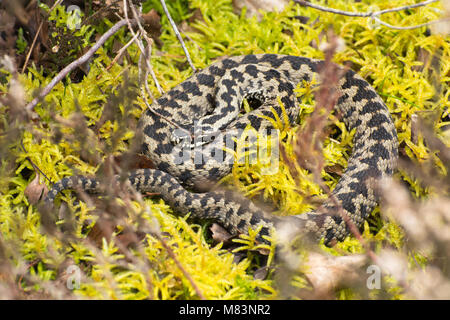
(86, 125)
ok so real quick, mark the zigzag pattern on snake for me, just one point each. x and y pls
(213, 98)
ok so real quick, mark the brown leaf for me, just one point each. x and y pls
(35, 191)
(152, 23)
(219, 234)
(152, 19)
(336, 169)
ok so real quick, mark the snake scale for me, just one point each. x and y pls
(213, 98)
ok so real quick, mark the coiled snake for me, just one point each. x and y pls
(213, 96)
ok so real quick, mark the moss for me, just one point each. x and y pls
(391, 60)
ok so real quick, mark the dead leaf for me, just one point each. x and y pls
(35, 191)
(152, 21)
(219, 234)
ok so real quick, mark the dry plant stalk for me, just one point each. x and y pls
(374, 15)
(308, 147)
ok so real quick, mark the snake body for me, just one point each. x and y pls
(213, 98)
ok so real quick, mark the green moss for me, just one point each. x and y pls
(391, 60)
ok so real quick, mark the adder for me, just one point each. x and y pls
(185, 130)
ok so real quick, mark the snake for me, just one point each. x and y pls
(185, 130)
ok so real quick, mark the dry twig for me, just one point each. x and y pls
(374, 15)
(120, 53)
(175, 29)
(140, 43)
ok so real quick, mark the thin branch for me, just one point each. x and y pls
(140, 43)
(84, 58)
(143, 78)
(362, 14)
(375, 14)
(408, 27)
(32, 46)
(147, 71)
(337, 11)
(411, 6)
(174, 27)
(145, 55)
(119, 54)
